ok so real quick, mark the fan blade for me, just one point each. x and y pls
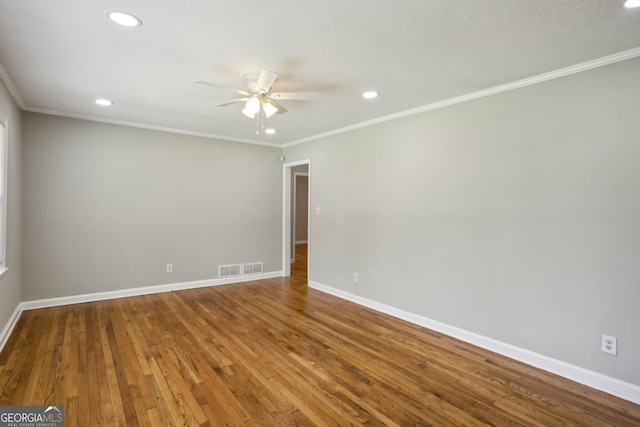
(293, 96)
(233, 101)
(265, 81)
(238, 91)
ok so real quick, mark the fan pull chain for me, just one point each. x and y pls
(260, 121)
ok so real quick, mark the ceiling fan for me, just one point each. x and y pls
(258, 98)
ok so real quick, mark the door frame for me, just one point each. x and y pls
(286, 214)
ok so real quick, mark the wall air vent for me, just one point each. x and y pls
(229, 270)
(253, 268)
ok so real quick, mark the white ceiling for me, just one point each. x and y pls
(57, 56)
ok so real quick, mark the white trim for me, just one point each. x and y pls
(301, 242)
(563, 72)
(8, 328)
(286, 213)
(147, 290)
(4, 190)
(148, 126)
(613, 386)
(13, 90)
(574, 69)
(124, 293)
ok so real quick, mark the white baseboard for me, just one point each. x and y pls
(6, 332)
(101, 296)
(613, 386)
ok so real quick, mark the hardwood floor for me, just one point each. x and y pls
(274, 352)
(299, 267)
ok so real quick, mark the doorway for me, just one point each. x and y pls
(295, 219)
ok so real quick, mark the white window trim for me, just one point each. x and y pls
(3, 196)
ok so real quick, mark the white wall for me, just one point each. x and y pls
(515, 216)
(10, 283)
(107, 207)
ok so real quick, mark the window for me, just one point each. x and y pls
(4, 142)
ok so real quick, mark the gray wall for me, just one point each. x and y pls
(301, 207)
(107, 206)
(515, 216)
(10, 283)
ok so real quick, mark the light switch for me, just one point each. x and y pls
(317, 210)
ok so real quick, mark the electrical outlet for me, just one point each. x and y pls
(609, 345)
(169, 268)
(355, 278)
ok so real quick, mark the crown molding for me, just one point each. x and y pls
(563, 72)
(13, 90)
(147, 126)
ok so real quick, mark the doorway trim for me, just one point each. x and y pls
(286, 215)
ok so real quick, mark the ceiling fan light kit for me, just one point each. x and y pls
(269, 109)
(248, 113)
(252, 107)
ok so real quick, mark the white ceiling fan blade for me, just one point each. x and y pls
(294, 96)
(233, 101)
(265, 81)
(238, 91)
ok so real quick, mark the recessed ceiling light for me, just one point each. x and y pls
(270, 131)
(104, 102)
(632, 3)
(370, 94)
(124, 19)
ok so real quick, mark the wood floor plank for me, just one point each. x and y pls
(98, 398)
(44, 364)
(224, 398)
(274, 352)
(386, 367)
(114, 409)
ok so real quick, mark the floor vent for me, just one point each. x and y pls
(229, 270)
(253, 268)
